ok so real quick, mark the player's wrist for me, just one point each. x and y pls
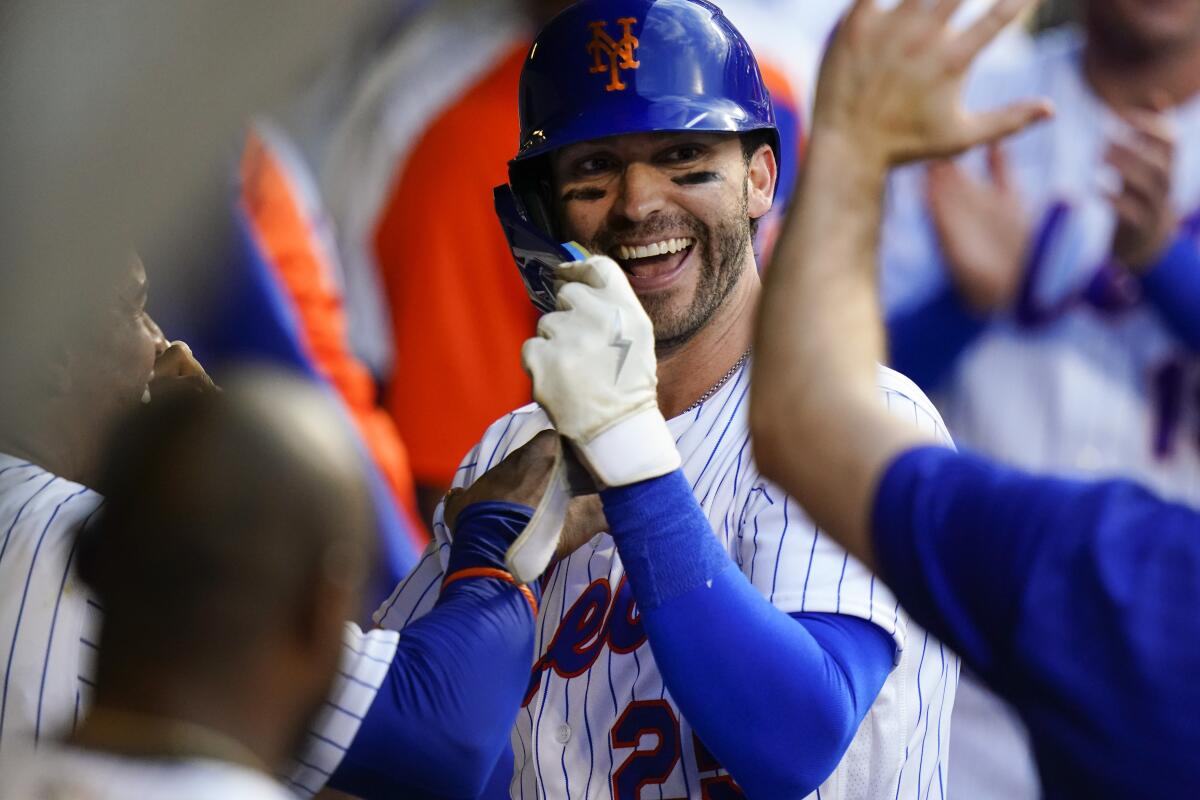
(636, 448)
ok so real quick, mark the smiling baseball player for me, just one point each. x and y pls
(712, 642)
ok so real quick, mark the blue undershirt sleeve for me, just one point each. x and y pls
(798, 687)
(442, 718)
(925, 341)
(1074, 600)
(1173, 286)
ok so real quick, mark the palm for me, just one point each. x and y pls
(893, 80)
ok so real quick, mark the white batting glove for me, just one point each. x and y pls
(595, 373)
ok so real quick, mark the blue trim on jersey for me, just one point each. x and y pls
(925, 341)
(1172, 285)
(1073, 600)
(813, 681)
(443, 714)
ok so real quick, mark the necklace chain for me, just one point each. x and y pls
(716, 387)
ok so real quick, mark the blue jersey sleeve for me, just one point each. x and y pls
(1076, 601)
(798, 687)
(925, 341)
(439, 726)
(1173, 286)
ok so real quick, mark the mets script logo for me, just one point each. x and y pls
(618, 53)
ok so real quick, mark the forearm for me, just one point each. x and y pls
(815, 677)
(445, 711)
(819, 340)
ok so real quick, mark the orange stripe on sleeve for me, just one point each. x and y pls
(498, 574)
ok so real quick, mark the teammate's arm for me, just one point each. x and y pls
(1147, 241)
(443, 708)
(888, 93)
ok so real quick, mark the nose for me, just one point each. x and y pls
(642, 193)
(160, 341)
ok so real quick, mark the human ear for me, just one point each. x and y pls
(762, 172)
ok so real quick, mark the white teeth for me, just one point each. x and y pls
(626, 253)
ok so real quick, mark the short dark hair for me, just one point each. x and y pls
(214, 524)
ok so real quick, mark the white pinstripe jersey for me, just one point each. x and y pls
(47, 627)
(598, 721)
(64, 773)
(49, 624)
(1081, 376)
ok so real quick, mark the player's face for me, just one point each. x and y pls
(674, 211)
(124, 358)
(1146, 27)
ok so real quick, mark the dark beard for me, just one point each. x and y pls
(722, 252)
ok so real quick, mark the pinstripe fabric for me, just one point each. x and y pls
(43, 608)
(50, 627)
(366, 659)
(61, 772)
(1068, 381)
(566, 739)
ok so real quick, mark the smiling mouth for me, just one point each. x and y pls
(657, 260)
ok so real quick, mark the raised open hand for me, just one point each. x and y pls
(892, 82)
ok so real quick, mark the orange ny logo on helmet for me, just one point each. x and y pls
(618, 53)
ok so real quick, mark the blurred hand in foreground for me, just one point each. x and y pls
(892, 80)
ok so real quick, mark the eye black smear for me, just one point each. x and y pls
(697, 178)
(583, 194)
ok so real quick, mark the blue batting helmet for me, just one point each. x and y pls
(610, 67)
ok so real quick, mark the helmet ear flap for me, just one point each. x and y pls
(531, 183)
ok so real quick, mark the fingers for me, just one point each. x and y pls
(177, 366)
(942, 179)
(572, 294)
(984, 30)
(1131, 211)
(1145, 174)
(991, 126)
(531, 354)
(177, 361)
(544, 445)
(1152, 131)
(549, 324)
(860, 10)
(998, 167)
(596, 271)
(943, 10)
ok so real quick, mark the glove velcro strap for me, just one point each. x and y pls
(637, 448)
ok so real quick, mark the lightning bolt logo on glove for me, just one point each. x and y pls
(612, 423)
(610, 417)
(620, 343)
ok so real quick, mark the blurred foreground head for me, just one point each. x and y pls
(1137, 30)
(228, 554)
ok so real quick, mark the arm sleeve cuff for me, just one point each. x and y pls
(635, 449)
(1173, 286)
(925, 341)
